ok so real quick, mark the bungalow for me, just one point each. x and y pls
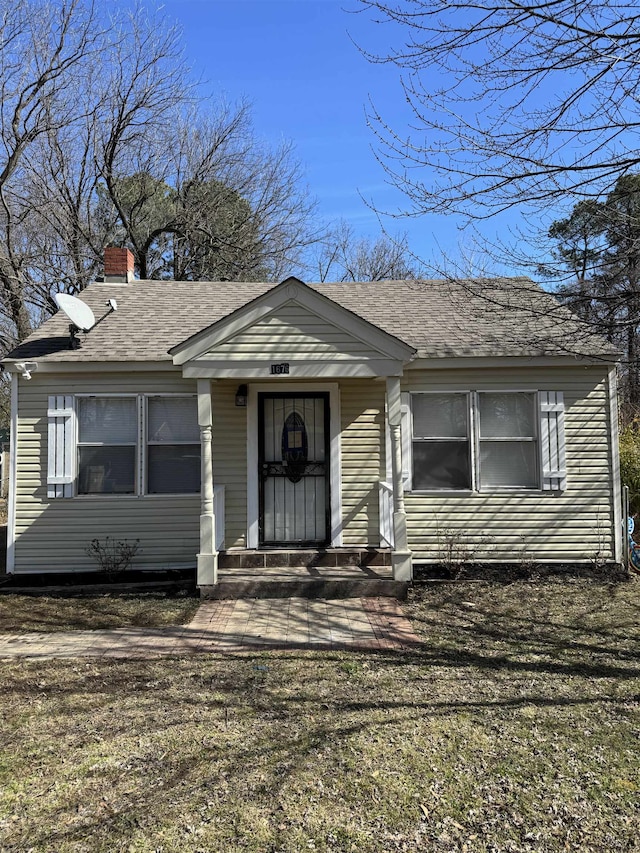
(395, 419)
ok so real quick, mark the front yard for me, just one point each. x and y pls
(514, 728)
(20, 613)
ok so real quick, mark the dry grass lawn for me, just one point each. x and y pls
(20, 613)
(515, 728)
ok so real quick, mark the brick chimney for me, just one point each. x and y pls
(118, 265)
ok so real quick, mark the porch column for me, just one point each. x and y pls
(208, 556)
(401, 555)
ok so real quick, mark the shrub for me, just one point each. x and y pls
(630, 463)
(113, 555)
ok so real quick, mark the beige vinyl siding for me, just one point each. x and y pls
(230, 459)
(53, 534)
(292, 333)
(362, 443)
(573, 525)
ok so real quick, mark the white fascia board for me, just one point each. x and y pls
(297, 370)
(473, 362)
(98, 367)
(305, 297)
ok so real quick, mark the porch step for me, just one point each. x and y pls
(271, 558)
(311, 581)
(298, 588)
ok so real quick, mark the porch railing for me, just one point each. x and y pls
(218, 510)
(385, 498)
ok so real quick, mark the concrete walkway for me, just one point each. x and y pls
(234, 626)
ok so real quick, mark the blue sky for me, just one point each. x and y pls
(297, 62)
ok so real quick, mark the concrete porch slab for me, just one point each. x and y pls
(305, 581)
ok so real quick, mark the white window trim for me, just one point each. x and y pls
(145, 443)
(408, 444)
(141, 464)
(474, 439)
(487, 490)
(78, 444)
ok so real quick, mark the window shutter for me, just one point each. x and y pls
(552, 442)
(406, 441)
(61, 447)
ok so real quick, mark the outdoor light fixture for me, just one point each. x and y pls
(26, 368)
(241, 396)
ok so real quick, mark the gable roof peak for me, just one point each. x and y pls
(291, 279)
(292, 286)
(291, 291)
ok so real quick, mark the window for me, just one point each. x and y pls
(483, 440)
(440, 446)
(107, 445)
(123, 447)
(173, 445)
(508, 448)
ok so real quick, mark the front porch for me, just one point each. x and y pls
(354, 502)
(280, 436)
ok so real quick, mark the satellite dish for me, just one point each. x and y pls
(76, 310)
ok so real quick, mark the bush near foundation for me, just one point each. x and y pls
(630, 462)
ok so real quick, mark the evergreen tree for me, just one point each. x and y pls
(599, 245)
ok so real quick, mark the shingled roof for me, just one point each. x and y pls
(438, 318)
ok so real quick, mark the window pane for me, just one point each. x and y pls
(506, 415)
(441, 465)
(107, 420)
(439, 415)
(509, 463)
(106, 470)
(173, 419)
(173, 469)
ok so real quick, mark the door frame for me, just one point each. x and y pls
(253, 483)
(263, 396)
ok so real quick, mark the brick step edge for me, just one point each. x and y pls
(307, 589)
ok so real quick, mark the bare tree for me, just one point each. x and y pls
(65, 66)
(208, 201)
(344, 257)
(57, 199)
(104, 137)
(43, 48)
(511, 103)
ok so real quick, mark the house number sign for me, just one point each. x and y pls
(279, 369)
